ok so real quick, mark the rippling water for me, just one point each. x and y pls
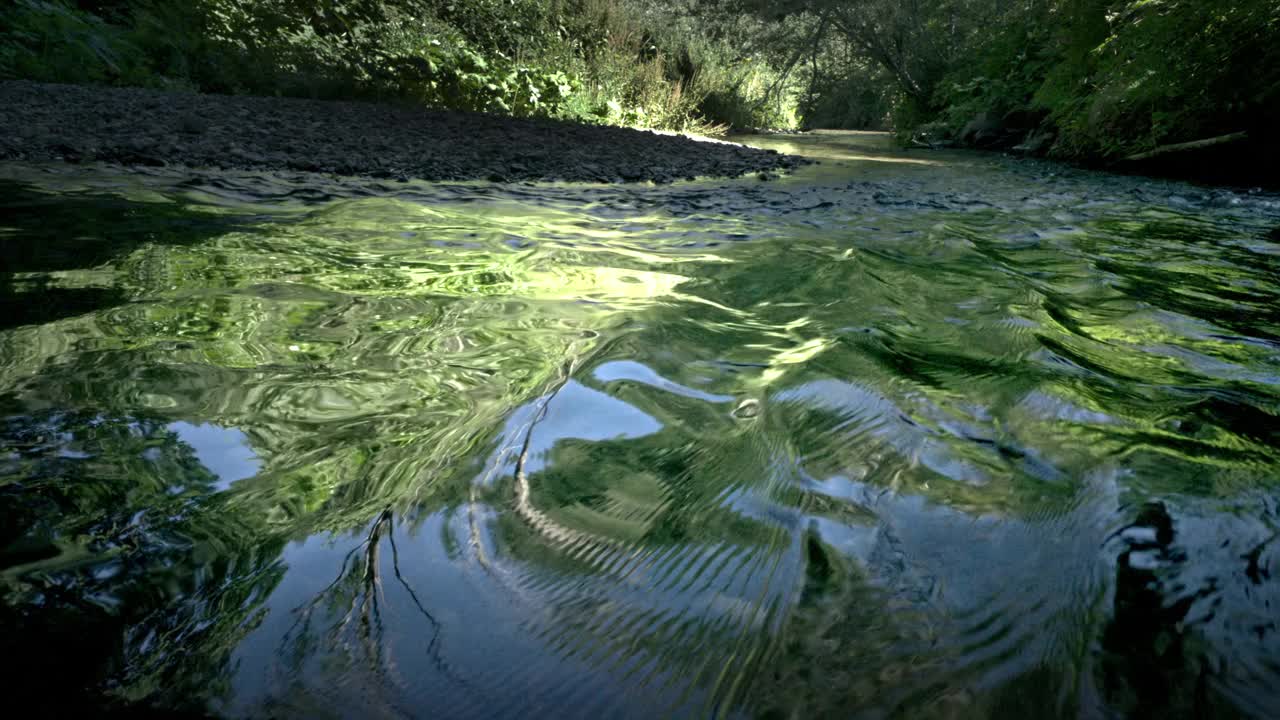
(915, 435)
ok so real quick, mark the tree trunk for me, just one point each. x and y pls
(1183, 147)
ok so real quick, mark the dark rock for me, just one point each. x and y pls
(983, 129)
(1036, 143)
(192, 124)
(147, 159)
(251, 158)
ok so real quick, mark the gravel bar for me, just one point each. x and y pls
(136, 126)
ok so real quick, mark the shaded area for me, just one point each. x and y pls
(153, 128)
(45, 234)
(103, 519)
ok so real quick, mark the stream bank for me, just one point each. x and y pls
(133, 126)
(1249, 156)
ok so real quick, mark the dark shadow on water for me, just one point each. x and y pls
(1153, 665)
(101, 519)
(44, 233)
(44, 304)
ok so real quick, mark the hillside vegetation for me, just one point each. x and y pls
(1093, 80)
(603, 61)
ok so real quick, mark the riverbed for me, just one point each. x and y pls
(900, 434)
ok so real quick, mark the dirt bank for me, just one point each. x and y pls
(135, 126)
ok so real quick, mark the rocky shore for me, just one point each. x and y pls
(133, 126)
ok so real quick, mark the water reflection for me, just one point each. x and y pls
(223, 451)
(974, 439)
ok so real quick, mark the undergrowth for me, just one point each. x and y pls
(599, 61)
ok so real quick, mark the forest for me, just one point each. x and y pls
(1089, 80)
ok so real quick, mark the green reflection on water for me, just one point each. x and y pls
(927, 435)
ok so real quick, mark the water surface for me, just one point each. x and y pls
(904, 435)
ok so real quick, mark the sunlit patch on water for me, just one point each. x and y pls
(942, 436)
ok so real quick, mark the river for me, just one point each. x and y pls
(903, 434)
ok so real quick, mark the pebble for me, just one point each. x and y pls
(138, 126)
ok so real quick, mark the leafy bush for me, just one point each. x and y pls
(1003, 81)
(46, 40)
(854, 97)
(1171, 71)
(593, 60)
(1118, 77)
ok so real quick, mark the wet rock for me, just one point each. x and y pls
(747, 409)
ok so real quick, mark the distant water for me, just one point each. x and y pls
(904, 435)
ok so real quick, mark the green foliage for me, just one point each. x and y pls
(1110, 77)
(593, 60)
(1002, 72)
(47, 40)
(379, 50)
(852, 96)
(1169, 71)
(1114, 78)
(1106, 77)
(658, 66)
